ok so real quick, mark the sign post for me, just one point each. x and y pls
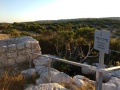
(101, 43)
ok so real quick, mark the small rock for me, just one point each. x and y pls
(29, 72)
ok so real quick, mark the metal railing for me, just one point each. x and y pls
(97, 70)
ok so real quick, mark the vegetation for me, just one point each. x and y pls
(12, 79)
(69, 39)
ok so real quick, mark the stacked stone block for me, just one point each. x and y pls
(16, 50)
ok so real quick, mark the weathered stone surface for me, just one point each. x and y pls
(12, 55)
(29, 72)
(78, 80)
(40, 62)
(47, 86)
(41, 81)
(11, 47)
(108, 86)
(35, 50)
(39, 68)
(107, 77)
(115, 81)
(37, 46)
(11, 61)
(28, 44)
(34, 43)
(3, 49)
(42, 69)
(21, 46)
(21, 58)
(4, 62)
(60, 77)
(3, 56)
(116, 73)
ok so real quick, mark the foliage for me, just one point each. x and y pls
(12, 32)
(72, 39)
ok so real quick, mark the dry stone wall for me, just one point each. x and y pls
(14, 50)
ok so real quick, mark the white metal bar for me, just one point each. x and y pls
(112, 68)
(101, 59)
(49, 73)
(99, 77)
(79, 64)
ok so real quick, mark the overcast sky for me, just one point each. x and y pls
(31, 10)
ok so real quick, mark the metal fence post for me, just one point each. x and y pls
(49, 73)
(99, 75)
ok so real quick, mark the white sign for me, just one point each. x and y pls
(101, 41)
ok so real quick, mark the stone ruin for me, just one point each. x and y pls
(14, 50)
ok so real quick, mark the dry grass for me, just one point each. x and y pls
(12, 82)
(15, 82)
(12, 79)
(4, 36)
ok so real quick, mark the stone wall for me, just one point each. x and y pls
(14, 50)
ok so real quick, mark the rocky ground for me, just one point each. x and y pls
(77, 82)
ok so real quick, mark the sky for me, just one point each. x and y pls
(32, 10)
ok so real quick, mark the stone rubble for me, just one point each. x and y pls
(48, 86)
(61, 78)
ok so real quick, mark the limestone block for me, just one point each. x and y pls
(34, 43)
(3, 56)
(21, 58)
(108, 86)
(115, 81)
(39, 68)
(35, 51)
(3, 49)
(35, 56)
(35, 88)
(29, 57)
(20, 46)
(11, 47)
(12, 55)
(29, 72)
(28, 44)
(28, 50)
(41, 81)
(78, 80)
(11, 61)
(85, 70)
(37, 46)
(47, 86)
(4, 62)
(107, 77)
(3, 43)
(116, 73)
(60, 77)
(40, 62)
